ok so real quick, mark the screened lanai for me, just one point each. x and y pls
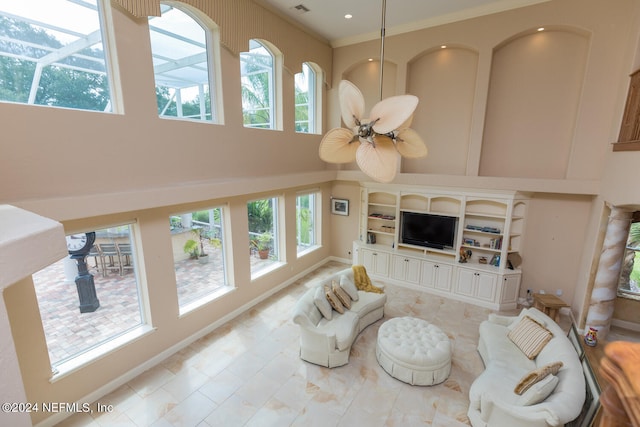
(52, 52)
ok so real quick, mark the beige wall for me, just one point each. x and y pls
(554, 238)
(154, 251)
(545, 108)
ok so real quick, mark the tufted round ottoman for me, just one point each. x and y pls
(414, 351)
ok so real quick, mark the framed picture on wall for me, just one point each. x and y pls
(340, 206)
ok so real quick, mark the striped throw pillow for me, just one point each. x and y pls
(530, 336)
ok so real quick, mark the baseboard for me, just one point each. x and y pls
(338, 259)
(158, 358)
(631, 326)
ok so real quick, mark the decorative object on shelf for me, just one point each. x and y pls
(495, 260)
(465, 255)
(371, 238)
(382, 137)
(591, 337)
(340, 206)
(482, 260)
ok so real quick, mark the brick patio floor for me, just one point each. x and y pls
(69, 332)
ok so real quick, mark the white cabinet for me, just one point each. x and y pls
(510, 289)
(376, 262)
(476, 284)
(488, 234)
(489, 225)
(406, 269)
(436, 275)
(486, 286)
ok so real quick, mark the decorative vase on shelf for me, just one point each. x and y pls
(591, 337)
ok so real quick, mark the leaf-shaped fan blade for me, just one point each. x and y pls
(392, 112)
(379, 162)
(410, 145)
(351, 103)
(338, 146)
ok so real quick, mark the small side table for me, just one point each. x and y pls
(549, 305)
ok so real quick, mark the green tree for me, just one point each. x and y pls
(302, 110)
(256, 90)
(58, 86)
(260, 215)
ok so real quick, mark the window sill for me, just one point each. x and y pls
(626, 146)
(628, 295)
(200, 302)
(266, 270)
(68, 367)
(308, 250)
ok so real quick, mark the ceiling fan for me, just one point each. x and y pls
(376, 142)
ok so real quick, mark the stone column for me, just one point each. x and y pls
(605, 287)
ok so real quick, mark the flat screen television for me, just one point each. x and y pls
(428, 230)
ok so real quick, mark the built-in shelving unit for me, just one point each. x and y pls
(490, 228)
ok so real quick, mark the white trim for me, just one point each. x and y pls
(66, 368)
(128, 376)
(624, 324)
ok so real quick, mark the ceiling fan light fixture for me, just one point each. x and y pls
(377, 142)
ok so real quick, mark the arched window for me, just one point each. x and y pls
(52, 53)
(184, 54)
(307, 98)
(257, 76)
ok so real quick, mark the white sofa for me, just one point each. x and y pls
(493, 402)
(328, 342)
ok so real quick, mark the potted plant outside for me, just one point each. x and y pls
(195, 248)
(262, 245)
(191, 247)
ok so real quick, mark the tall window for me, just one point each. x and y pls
(306, 222)
(199, 257)
(306, 100)
(181, 48)
(257, 72)
(263, 234)
(52, 53)
(629, 284)
(79, 317)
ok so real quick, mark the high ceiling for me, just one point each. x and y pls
(326, 18)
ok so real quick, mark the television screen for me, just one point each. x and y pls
(428, 230)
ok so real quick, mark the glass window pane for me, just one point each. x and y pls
(197, 239)
(305, 108)
(52, 53)
(263, 234)
(256, 76)
(306, 220)
(63, 292)
(180, 65)
(629, 284)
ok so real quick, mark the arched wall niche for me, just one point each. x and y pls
(529, 129)
(444, 79)
(366, 76)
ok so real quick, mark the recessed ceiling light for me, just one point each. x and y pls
(444, 46)
(348, 16)
(370, 59)
(541, 29)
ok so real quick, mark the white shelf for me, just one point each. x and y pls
(502, 212)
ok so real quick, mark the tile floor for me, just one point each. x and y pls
(69, 332)
(248, 373)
